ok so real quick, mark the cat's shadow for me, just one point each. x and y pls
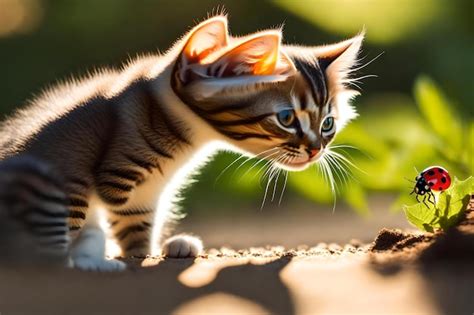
(258, 283)
(157, 289)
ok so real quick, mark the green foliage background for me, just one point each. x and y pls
(417, 113)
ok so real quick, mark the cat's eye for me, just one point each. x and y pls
(328, 125)
(286, 117)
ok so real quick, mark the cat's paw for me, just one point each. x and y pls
(182, 246)
(98, 264)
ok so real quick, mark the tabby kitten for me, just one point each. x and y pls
(124, 141)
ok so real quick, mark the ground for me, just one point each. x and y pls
(397, 273)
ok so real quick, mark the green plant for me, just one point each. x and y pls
(447, 211)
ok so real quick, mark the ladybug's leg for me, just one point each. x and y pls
(431, 195)
(416, 196)
(424, 201)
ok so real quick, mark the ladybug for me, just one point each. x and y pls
(433, 178)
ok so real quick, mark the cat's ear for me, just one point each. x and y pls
(337, 60)
(258, 55)
(243, 68)
(205, 39)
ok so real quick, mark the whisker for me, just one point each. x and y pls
(275, 184)
(227, 167)
(344, 165)
(259, 156)
(358, 79)
(333, 187)
(344, 159)
(284, 187)
(265, 194)
(270, 169)
(236, 160)
(284, 158)
(341, 146)
(331, 176)
(271, 172)
(267, 163)
(354, 84)
(367, 63)
(256, 163)
(339, 171)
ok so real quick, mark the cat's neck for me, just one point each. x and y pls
(201, 132)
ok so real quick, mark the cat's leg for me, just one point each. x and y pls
(132, 228)
(88, 249)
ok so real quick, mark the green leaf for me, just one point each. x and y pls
(469, 153)
(421, 216)
(448, 210)
(454, 201)
(438, 112)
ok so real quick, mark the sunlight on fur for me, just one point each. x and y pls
(170, 195)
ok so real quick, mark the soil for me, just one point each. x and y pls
(395, 246)
(399, 272)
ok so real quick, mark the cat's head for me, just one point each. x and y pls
(275, 101)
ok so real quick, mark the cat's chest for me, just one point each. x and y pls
(158, 183)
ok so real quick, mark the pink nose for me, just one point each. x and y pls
(313, 152)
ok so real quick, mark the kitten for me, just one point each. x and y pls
(125, 141)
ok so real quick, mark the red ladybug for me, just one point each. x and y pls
(434, 178)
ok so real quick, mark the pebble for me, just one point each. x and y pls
(355, 242)
(333, 247)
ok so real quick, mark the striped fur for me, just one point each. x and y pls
(125, 141)
(33, 213)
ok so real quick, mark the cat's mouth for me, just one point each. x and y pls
(298, 164)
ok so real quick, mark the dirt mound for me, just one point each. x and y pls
(395, 246)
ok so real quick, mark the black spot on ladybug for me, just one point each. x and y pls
(431, 184)
(431, 173)
(440, 170)
(443, 179)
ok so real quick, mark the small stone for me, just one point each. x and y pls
(350, 248)
(355, 242)
(333, 247)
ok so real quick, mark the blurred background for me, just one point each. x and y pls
(417, 112)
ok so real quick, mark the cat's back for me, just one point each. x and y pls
(64, 104)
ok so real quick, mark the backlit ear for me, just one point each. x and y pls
(338, 59)
(259, 55)
(203, 40)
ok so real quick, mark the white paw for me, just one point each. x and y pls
(98, 264)
(182, 246)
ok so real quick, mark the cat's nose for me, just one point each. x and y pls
(313, 151)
